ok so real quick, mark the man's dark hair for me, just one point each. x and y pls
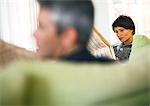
(72, 13)
(125, 22)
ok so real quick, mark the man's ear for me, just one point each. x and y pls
(69, 38)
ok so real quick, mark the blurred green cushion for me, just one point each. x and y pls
(57, 83)
(139, 43)
(70, 84)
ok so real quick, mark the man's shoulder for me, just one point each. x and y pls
(86, 56)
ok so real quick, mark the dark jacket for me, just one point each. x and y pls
(85, 56)
(122, 51)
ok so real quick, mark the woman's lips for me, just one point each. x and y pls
(121, 37)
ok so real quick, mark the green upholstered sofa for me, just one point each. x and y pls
(57, 83)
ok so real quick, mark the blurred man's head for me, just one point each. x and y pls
(64, 26)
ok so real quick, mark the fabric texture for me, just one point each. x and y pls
(10, 53)
(122, 52)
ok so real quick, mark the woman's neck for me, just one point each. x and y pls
(129, 41)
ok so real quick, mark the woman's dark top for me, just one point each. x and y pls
(122, 51)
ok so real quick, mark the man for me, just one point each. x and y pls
(64, 30)
(63, 33)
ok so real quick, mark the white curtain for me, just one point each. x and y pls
(18, 22)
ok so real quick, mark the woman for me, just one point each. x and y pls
(124, 28)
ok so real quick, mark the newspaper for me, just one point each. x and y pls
(99, 46)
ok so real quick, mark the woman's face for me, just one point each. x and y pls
(123, 34)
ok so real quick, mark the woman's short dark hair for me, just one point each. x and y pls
(125, 22)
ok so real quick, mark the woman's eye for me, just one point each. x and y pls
(116, 31)
(121, 30)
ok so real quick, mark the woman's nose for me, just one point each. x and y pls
(119, 34)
